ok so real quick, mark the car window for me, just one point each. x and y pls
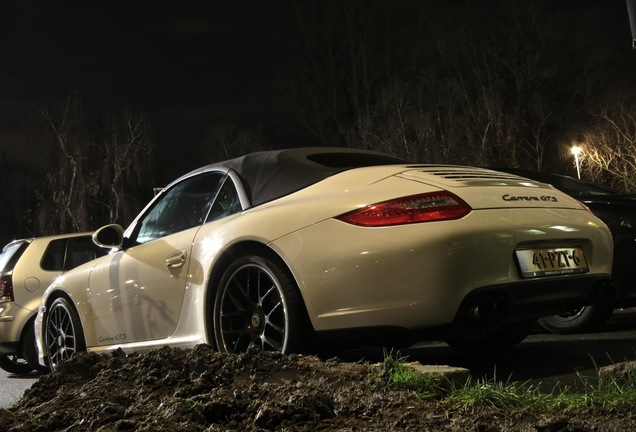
(183, 206)
(81, 250)
(577, 188)
(11, 254)
(227, 202)
(53, 258)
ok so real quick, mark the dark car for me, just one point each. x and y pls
(618, 210)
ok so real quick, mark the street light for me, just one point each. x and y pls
(576, 150)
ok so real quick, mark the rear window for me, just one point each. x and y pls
(353, 160)
(10, 255)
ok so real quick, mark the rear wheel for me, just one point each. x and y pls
(258, 304)
(577, 319)
(14, 364)
(63, 333)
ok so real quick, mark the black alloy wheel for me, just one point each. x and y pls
(62, 332)
(259, 305)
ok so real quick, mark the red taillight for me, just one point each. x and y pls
(428, 207)
(6, 289)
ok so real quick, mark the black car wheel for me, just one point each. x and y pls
(62, 332)
(14, 364)
(577, 319)
(259, 304)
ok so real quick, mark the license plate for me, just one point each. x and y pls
(551, 261)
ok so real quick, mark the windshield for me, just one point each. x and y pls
(11, 254)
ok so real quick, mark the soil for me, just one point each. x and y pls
(203, 390)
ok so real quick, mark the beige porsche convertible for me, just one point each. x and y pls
(305, 249)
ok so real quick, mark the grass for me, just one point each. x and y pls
(615, 395)
(498, 394)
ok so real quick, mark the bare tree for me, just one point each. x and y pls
(608, 149)
(127, 152)
(103, 165)
(379, 75)
(64, 193)
(228, 140)
(500, 84)
(345, 55)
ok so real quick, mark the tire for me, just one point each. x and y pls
(577, 320)
(14, 364)
(494, 340)
(62, 332)
(29, 349)
(257, 304)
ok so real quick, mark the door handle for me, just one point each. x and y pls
(176, 259)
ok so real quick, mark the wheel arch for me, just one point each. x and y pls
(78, 334)
(28, 324)
(54, 295)
(222, 263)
(30, 355)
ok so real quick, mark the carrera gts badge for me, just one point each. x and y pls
(548, 198)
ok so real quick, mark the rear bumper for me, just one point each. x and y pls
(13, 318)
(532, 299)
(490, 308)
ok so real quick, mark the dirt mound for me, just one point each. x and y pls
(203, 390)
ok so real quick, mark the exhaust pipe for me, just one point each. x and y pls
(489, 309)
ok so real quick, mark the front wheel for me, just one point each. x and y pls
(63, 333)
(577, 319)
(258, 304)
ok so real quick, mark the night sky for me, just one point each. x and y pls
(141, 51)
(189, 64)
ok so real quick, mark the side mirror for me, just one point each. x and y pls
(109, 236)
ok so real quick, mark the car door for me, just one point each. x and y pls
(138, 293)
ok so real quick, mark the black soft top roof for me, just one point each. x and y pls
(269, 175)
